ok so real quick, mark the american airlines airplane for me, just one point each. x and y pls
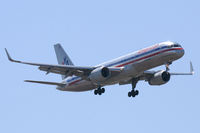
(128, 69)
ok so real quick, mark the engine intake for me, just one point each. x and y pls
(100, 74)
(105, 72)
(160, 78)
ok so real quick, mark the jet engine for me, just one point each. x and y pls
(160, 78)
(99, 75)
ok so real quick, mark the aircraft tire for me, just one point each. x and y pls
(136, 92)
(129, 94)
(103, 90)
(95, 92)
(133, 93)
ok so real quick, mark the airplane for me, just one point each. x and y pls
(128, 69)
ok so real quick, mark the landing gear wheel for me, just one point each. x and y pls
(133, 93)
(99, 91)
(136, 92)
(103, 90)
(129, 94)
(95, 92)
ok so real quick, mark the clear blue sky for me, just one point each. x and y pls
(93, 32)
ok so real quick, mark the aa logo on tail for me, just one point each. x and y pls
(65, 62)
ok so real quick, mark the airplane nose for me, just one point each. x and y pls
(181, 52)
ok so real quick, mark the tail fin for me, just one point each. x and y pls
(62, 57)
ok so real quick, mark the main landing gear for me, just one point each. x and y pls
(99, 91)
(133, 92)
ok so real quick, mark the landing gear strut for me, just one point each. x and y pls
(99, 91)
(167, 65)
(133, 92)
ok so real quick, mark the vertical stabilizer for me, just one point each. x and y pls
(62, 57)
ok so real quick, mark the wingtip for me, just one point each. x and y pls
(6, 51)
(28, 81)
(191, 68)
(8, 55)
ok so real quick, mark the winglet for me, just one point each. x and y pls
(9, 57)
(191, 68)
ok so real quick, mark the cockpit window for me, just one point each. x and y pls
(176, 45)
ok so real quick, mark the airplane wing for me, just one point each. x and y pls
(66, 70)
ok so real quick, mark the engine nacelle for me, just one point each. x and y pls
(160, 78)
(100, 74)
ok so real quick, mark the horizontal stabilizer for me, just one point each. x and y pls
(45, 82)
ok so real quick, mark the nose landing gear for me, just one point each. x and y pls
(167, 66)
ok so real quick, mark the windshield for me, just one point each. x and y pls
(176, 45)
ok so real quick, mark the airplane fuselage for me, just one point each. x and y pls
(133, 64)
